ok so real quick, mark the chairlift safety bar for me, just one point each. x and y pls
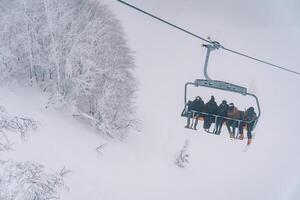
(221, 85)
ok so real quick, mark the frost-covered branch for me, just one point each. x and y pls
(29, 181)
(182, 157)
(16, 124)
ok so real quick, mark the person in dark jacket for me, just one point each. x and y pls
(222, 111)
(194, 107)
(210, 107)
(249, 116)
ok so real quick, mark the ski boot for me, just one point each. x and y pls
(241, 136)
(249, 141)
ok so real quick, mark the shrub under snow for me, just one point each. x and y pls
(19, 125)
(29, 181)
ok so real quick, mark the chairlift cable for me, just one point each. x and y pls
(259, 60)
(208, 40)
(164, 21)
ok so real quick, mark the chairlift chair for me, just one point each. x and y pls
(219, 85)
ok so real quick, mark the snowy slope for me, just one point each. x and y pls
(142, 166)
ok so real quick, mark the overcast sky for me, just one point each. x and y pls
(267, 24)
(248, 14)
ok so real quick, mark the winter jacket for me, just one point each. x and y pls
(233, 113)
(250, 115)
(211, 107)
(197, 105)
(222, 110)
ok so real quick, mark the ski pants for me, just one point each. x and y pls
(208, 120)
(219, 124)
(233, 124)
(249, 129)
(193, 115)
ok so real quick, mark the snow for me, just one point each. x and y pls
(142, 166)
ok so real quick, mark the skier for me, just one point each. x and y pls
(210, 107)
(222, 111)
(233, 113)
(249, 116)
(194, 107)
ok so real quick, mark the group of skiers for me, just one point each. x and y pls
(224, 113)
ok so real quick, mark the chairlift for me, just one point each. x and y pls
(207, 82)
(219, 85)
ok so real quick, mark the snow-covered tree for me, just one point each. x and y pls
(74, 49)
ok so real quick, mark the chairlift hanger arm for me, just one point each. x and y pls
(210, 47)
(208, 40)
